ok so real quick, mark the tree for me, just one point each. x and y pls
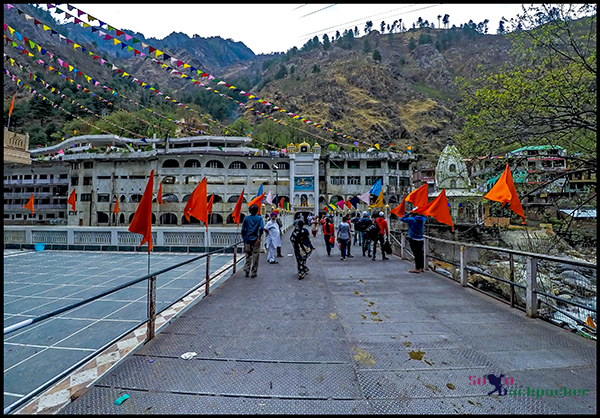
(337, 35)
(501, 29)
(438, 18)
(382, 26)
(368, 26)
(356, 32)
(326, 43)
(446, 20)
(420, 22)
(376, 55)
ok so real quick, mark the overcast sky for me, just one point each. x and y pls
(266, 28)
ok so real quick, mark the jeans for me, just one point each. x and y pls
(358, 236)
(417, 248)
(345, 245)
(366, 243)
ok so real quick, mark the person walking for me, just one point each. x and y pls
(327, 234)
(361, 228)
(278, 220)
(303, 248)
(416, 224)
(252, 229)
(273, 238)
(357, 236)
(314, 226)
(383, 233)
(343, 236)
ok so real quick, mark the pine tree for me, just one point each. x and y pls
(376, 56)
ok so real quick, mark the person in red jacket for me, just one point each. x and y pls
(328, 230)
(384, 234)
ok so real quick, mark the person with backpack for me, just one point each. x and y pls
(361, 228)
(303, 248)
(252, 229)
(381, 232)
(416, 224)
(357, 236)
(343, 236)
(328, 234)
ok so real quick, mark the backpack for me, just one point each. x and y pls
(372, 231)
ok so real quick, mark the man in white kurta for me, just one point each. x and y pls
(273, 238)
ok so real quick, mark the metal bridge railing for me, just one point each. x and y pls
(149, 320)
(526, 271)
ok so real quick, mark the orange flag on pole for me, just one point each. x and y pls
(238, 209)
(198, 206)
(142, 220)
(399, 210)
(281, 203)
(437, 209)
(209, 204)
(347, 203)
(12, 105)
(504, 191)
(257, 201)
(29, 204)
(418, 197)
(159, 197)
(190, 203)
(71, 200)
(116, 208)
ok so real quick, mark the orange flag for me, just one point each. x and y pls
(12, 105)
(437, 209)
(198, 206)
(418, 197)
(281, 203)
(71, 200)
(400, 209)
(142, 220)
(159, 197)
(29, 204)
(257, 201)
(504, 191)
(347, 203)
(238, 208)
(116, 208)
(189, 204)
(209, 204)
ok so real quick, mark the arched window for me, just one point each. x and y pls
(231, 221)
(192, 163)
(170, 197)
(237, 165)
(186, 197)
(282, 165)
(214, 164)
(217, 199)
(122, 218)
(123, 198)
(393, 199)
(215, 218)
(192, 220)
(170, 164)
(261, 166)
(452, 168)
(131, 217)
(234, 199)
(135, 198)
(101, 217)
(322, 200)
(168, 219)
(168, 180)
(153, 219)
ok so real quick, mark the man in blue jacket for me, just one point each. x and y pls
(252, 229)
(416, 223)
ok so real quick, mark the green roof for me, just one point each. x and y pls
(537, 148)
(518, 177)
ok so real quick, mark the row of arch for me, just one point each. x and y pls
(336, 198)
(165, 219)
(235, 165)
(170, 197)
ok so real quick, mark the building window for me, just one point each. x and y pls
(27, 177)
(86, 197)
(50, 215)
(374, 164)
(214, 164)
(136, 198)
(45, 189)
(137, 177)
(74, 181)
(101, 217)
(87, 181)
(261, 166)
(392, 165)
(64, 176)
(393, 181)
(354, 164)
(336, 164)
(237, 165)
(404, 181)
(337, 180)
(403, 166)
(88, 164)
(192, 163)
(171, 164)
(371, 180)
(282, 165)
(531, 165)
(354, 180)
(104, 177)
(103, 198)
(452, 168)
(75, 166)
(559, 163)
(168, 180)
(43, 176)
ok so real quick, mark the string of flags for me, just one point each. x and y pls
(177, 63)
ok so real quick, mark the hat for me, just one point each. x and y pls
(380, 213)
(365, 213)
(276, 210)
(273, 213)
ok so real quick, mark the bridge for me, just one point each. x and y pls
(355, 337)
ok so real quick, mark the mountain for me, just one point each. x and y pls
(396, 88)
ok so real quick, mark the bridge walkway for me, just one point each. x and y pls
(353, 337)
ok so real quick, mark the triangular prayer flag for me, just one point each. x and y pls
(159, 196)
(377, 146)
(71, 200)
(376, 188)
(437, 209)
(418, 197)
(399, 210)
(257, 201)
(29, 204)
(142, 219)
(365, 198)
(116, 208)
(347, 203)
(269, 198)
(379, 201)
(354, 202)
(504, 191)
(590, 322)
(341, 204)
(198, 207)
(210, 204)
(260, 190)
(238, 208)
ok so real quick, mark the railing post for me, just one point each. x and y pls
(512, 279)
(402, 246)
(207, 286)
(425, 253)
(463, 264)
(151, 308)
(531, 299)
(234, 258)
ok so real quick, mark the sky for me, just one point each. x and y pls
(266, 28)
